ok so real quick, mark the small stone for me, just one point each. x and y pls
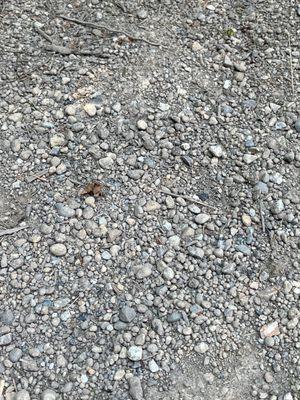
(143, 271)
(142, 125)
(153, 366)
(127, 314)
(277, 207)
(201, 348)
(288, 396)
(152, 206)
(5, 339)
(135, 388)
(142, 13)
(49, 394)
(168, 273)
(202, 218)
(22, 395)
(16, 117)
(164, 107)
(15, 355)
(58, 249)
(216, 150)
(119, 375)
(90, 109)
(175, 316)
(297, 123)
(240, 66)
(65, 211)
(135, 353)
(262, 187)
(70, 110)
(269, 330)
(249, 158)
(268, 377)
(196, 252)
(196, 46)
(57, 140)
(246, 219)
(243, 249)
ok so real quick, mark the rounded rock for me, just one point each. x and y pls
(58, 249)
(49, 394)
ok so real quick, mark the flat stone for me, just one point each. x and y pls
(5, 339)
(65, 211)
(127, 314)
(152, 205)
(22, 395)
(15, 355)
(242, 248)
(202, 218)
(49, 394)
(135, 388)
(196, 252)
(216, 150)
(58, 249)
(143, 271)
(175, 316)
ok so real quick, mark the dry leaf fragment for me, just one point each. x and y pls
(93, 188)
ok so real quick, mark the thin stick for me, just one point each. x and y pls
(262, 217)
(187, 198)
(107, 28)
(291, 65)
(12, 230)
(43, 34)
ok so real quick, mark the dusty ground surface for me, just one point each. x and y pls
(149, 200)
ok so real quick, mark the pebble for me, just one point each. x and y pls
(143, 271)
(22, 395)
(202, 218)
(135, 388)
(196, 252)
(216, 150)
(127, 314)
(135, 353)
(201, 348)
(142, 125)
(246, 219)
(90, 109)
(153, 366)
(58, 249)
(49, 394)
(5, 339)
(65, 211)
(269, 330)
(57, 140)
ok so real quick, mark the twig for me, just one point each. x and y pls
(66, 51)
(43, 34)
(262, 217)
(12, 230)
(37, 176)
(190, 199)
(291, 65)
(107, 28)
(63, 50)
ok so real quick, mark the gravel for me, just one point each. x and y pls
(149, 200)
